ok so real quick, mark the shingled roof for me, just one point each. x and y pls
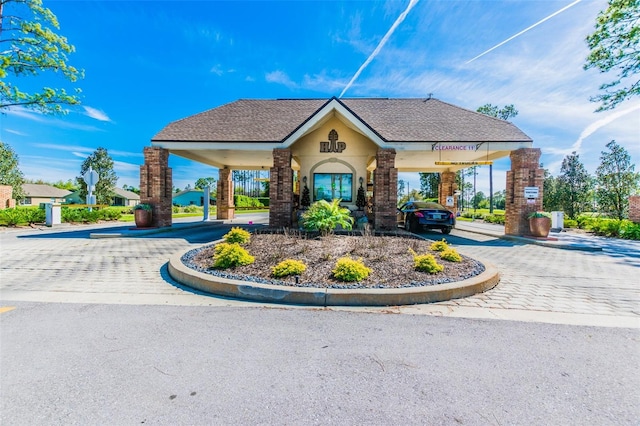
(394, 120)
(43, 191)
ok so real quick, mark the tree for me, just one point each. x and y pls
(69, 185)
(101, 163)
(10, 173)
(477, 200)
(208, 181)
(552, 197)
(401, 185)
(616, 179)
(131, 188)
(615, 45)
(413, 194)
(500, 199)
(29, 46)
(429, 184)
(507, 112)
(574, 184)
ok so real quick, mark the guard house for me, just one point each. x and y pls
(333, 146)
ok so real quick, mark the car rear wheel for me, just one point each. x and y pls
(446, 230)
(411, 224)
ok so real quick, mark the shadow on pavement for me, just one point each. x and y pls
(483, 241)
(200, 233)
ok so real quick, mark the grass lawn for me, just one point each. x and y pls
(482, 211)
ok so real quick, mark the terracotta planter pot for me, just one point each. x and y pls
(540, 226)
(143, 218)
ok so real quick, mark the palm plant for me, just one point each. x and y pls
(325, 216)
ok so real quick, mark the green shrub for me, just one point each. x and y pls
(605, 227)
(584, 221)
(471, 215)
(288, 267)
(264, 201)
(426, 263)
(175, 209)
(451, 255)
(349, 270)
(539, 214)
(325, 217)
(237, 235)
(192, 209)
(12, 217)
(110, 213)
(439, 245)
(570, 223)
(629, 230)
(494, 218)
(71, 215)
(230, 255)
(143, 206)
(245, 201)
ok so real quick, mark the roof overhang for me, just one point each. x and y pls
(411, 156)
(334, 108)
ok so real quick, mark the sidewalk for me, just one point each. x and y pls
(117, 229)
(566, 240)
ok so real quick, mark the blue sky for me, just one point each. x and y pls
(148, 63)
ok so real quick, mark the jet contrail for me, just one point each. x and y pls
(525, 30)
(595, 126)
(591, 129)
(380, 45)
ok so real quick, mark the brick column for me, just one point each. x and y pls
(385, 190)
(281, 189)
(225, 208)
(6, 192)
(525, 171)
(634, 208)
(446, 189)
(156, 184)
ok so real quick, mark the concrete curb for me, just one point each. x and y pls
(330, 297)
(140, 233)
(525, 240)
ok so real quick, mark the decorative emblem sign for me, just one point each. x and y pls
(333, 145)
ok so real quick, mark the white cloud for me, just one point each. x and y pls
(83, 151)
(280, 77)
(121, 166)
(217, 70)
(96, 114)
(49, 120)
(69, 148)
(15, 132)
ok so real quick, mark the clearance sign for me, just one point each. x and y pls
(454, 147)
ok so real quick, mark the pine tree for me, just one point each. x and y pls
(616, 179)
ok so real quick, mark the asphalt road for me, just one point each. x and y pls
(135, 348)
(97, 364)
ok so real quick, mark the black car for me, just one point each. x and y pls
(416, 215)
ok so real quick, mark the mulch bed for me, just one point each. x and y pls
(388, 256)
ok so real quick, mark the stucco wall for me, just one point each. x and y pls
(358, 152)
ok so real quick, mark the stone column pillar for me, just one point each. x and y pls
(225, 208)
(156, 184)
(281, 189)
(6, 192)
(385, 190)
(634, 208)
(525, 171)
(446, 189)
